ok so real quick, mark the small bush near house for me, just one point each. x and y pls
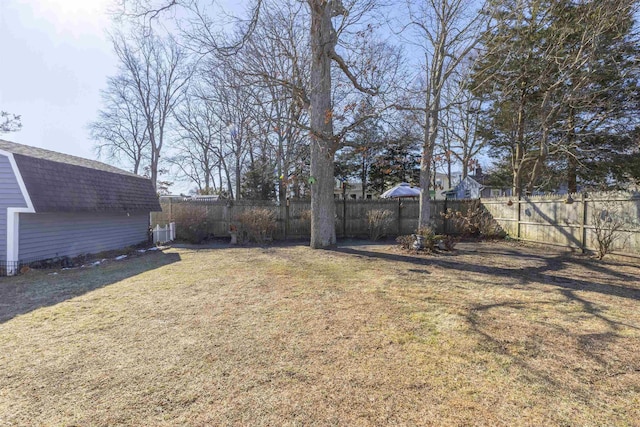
(256, 225)
(191, 223)
(379, 221)
(475, 221)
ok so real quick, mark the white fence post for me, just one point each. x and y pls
(164, 234)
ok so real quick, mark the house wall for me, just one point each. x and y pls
(468, 189)
(10, 197)
(50, 235)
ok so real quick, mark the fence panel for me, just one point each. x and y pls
(571, 220)
(299, 219)
(294, 217)
(504, 211)
(164, 234)
(556, 220)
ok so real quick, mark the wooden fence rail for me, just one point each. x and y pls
(293, 218)
(554, 220)
(570, 220)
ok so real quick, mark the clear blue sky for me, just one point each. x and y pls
(54, 59)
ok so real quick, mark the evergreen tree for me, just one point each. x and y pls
(559, 84)
(259, 181)
(361, 149)
(398, 162)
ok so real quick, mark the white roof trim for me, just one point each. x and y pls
(13, 219)
(18, 175)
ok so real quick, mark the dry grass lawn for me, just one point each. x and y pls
(493, 334)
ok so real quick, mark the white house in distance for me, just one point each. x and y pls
(473, 187)
(351, 191)
(54, 205)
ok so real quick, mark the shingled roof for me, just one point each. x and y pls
(59, 182)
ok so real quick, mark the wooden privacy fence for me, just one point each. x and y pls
(571, 220)
(293, 218)
(556, 220)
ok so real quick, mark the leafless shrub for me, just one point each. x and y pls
(446, 242)
(191, 223)
(474, 221)
(379, 221)
(256, 225)
(607, 223)
(305, 215)
(406, 242)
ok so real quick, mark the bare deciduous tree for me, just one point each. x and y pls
(445, 31)
(460, 140)
(204, 34)
(9, 122)
(278, 81)
(153, 73)
(121, 132)
(198, 150)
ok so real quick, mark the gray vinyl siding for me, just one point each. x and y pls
(50, 235)
(10, 197)
(468, 189)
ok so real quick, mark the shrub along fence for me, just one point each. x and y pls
(576, 221)
(197, 219)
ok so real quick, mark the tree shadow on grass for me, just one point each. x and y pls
(581, 345)
(530, 359)
(34, 290)
(544, 273)
(550, 350)
(556, 270)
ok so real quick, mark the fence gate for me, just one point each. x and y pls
(164, 234)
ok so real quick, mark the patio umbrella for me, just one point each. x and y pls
(401, 190)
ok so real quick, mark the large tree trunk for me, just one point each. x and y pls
(541, 158)
(432, 115)
(424, 217)
(519, 151)
(238, 174)
(572, 175)
(323, 232)
(515, 181)
(155, 156)
(430, 134)
(572, 166)
(465, 167)
(282, 179)
(363, 174)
